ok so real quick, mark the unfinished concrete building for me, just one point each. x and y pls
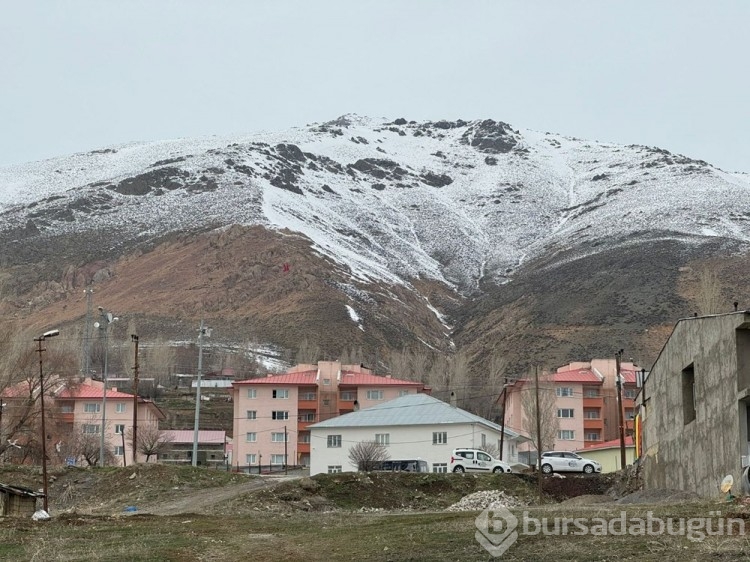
(694, 406)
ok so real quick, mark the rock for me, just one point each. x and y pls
(483, 499)
(309, 485)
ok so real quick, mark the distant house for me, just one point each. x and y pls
(608, 454)
(16, 501)
(414, 426)
(272, 414)
(212, 447)
(695, 405)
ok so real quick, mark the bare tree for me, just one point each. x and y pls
(547, 411)
(367, 455)
(151, 441)
(83, 442)
(491, 450)
(708, 297)
(307, 352)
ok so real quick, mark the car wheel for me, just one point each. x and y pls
(498, 469)
(459, 468)
(588, 469)
(547, 468)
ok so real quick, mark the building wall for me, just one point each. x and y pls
(696, 455)
(609, 458)
(406, 442)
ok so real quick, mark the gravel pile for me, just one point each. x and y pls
(483, 499)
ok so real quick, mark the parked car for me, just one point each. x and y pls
(409, 465)
(566, 461)
(475, 460)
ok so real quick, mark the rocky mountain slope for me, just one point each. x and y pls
(378, 234)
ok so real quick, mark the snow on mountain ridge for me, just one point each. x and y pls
(453, 201)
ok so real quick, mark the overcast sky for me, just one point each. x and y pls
(81, 75)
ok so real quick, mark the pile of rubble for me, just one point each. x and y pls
(483, 499)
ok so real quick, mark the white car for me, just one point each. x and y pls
(565, 461)
(475, 460)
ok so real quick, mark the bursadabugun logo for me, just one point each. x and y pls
(496, 529)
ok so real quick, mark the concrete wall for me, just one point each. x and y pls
(696, 455)
(609, 458)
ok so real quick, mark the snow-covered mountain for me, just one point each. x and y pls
(453, 201)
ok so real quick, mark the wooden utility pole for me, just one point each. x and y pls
(134, 338)
(538, 434)
(286, 459)
(620, 413)
(502, 425)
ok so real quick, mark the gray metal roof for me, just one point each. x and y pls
(412, 409)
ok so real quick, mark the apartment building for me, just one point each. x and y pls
(272, 414)
(74, 418)
(585, 402)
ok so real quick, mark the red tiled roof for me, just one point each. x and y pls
(629, 376)
(615, 443)
(577, 375)
(181, 436)
(87, 391)
(298, 379)
(348, 378)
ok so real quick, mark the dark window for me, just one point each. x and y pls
(688, 394)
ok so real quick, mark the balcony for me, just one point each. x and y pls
(65, 417)
(593, 423)
(593, 402)
(303, 448)
(303, 425)
(307, 404)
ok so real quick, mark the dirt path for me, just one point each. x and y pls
(198, 501)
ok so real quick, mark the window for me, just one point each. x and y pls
(119, 451)
(304, 438)
(309, 417)
(307, 396)
(383, 438)
(566, 434)
(348, 395)
(120, 408)
(277, 437)
(90, 428)
(565, 412)
(92, 407)
(250, 458)
(252, 414)
(326, 381)
(326, 402)
(439, 437)
(251, 437)
(564, 391)
(629, 414)
(591, 393)
(688, 394)
(67, 409)
(334, 469)
(374, 394)
(630, 393)
(119, 429)
(280, 415)
(334, 441)
(281, 394)
(483, 456)
(592, 436)
(252, 392)
(484, 440)
(277, 459)
(403, 392)
(440, 467)
(591, 414)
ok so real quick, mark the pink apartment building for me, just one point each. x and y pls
(268, 410)
(72, 408)
(585, 403)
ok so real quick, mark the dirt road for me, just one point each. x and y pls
(197, 501)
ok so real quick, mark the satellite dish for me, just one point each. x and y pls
(726, 484)
(96, 324)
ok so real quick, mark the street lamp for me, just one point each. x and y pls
(202, 331)
(40, 349)
(106, 320)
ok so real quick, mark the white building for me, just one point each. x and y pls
(415, 426)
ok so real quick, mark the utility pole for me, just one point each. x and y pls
(106, 320)
(538, 434)
(286, 459)
(40, 349)
(620, 413)
(201, 332)
(134, 339)
(86, 363)
(502, 425)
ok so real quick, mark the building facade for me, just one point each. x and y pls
(585, 405)
(695, 406)
(412, 427)
(272, 414)
(212, 447)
